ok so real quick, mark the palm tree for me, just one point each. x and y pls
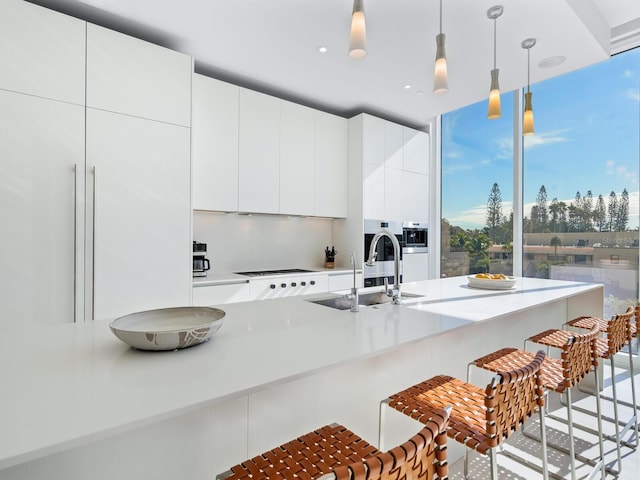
(555, 242)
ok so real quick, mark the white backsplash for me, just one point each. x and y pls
(259, 242)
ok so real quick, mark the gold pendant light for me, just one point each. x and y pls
(440, 80)
(527, 117)
(494, 94)
(358, 38)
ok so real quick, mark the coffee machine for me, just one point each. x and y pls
(200, 263)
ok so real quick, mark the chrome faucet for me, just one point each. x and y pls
(395, 291)
(353, 296)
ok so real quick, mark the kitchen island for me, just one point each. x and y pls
(77, 403)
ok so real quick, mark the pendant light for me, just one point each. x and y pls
(527, 118)
(494, 94)
(440, 80)
(358, 39)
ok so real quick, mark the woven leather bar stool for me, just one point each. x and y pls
(577, 359)
(333, 452)
(481, 419)
(617, 333)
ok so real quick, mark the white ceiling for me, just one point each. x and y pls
(271, 45)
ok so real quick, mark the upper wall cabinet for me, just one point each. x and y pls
(128, 75)
(331, 165)
(297, 151)
(214, 144)
(259, 153)
(43, 52)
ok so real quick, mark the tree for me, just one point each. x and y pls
(600, 214)
(558, 211)
(542, 216)
(555, 242)
(623, 212)
(477, 246)
(586, 211)
(612, 211)
(494, 213)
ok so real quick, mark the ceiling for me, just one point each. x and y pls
(272, 46)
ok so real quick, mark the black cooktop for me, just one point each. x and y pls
(263, 273)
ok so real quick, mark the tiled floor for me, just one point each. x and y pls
(586, 444)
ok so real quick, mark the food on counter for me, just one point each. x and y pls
(492, 276)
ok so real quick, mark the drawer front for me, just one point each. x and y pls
(219, 294)
(288, 286)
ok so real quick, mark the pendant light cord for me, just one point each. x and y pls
(494, 42)
(528, 69)
(440, 16)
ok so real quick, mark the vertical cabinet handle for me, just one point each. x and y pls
(75, 242)
(93, 249)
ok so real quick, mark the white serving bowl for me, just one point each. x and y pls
(168, 328)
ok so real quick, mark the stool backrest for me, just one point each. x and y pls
(423, 456)
(619, 331)
(511, 398)
(578, 356)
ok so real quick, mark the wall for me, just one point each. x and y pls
(262, 242)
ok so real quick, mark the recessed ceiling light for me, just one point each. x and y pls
(406, 87)
(420, 92)
(322, 49)
(553, 61)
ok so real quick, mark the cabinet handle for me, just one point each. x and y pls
(93, 249)
(75, 241)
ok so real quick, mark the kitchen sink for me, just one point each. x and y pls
(364, 300)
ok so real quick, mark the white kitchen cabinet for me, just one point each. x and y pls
(415, 267)
(416, 151)
(373, 139)
(128, 75)
(393, 145)
(43, 52)
(41, 192)
(344, 281)
(374, 193)
(415, 197)
(331, 165)
(214, 143)
(259, 153)
(141, 215)
(220, 294)
(297, 152)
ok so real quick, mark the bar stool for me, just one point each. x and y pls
(333, 452)
(618, 333)
(577, 359)
(481, 419)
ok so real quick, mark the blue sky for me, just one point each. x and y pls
(587, 138)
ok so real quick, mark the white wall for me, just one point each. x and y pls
(261, 242)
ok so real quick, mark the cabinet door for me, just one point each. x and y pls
(331, 165)
(373, 135)
(128, 75)
(43, 52)
(415, 197)
(415, 267)
(217, 294)
(393, 141)
(41, 171)
(214, 143)
(259, 151)
(297, 151)
(374, 195)
(141, 215)
(416, 151)
(393, 194)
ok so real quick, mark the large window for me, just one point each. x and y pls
(580, 183)
(477, 190)
(581, 172)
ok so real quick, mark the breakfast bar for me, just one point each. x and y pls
(78, 403)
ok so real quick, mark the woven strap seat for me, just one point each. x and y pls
(480, 418)
(336, 452)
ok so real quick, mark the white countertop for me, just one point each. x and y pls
(229, 278)
(65, 385)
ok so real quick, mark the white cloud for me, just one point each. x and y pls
(547, 138)
(633, 94)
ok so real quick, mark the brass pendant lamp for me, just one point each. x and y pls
(494, 111)
(527, 117)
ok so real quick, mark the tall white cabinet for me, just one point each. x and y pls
(129, 139)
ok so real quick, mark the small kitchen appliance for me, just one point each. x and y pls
(200, 262)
